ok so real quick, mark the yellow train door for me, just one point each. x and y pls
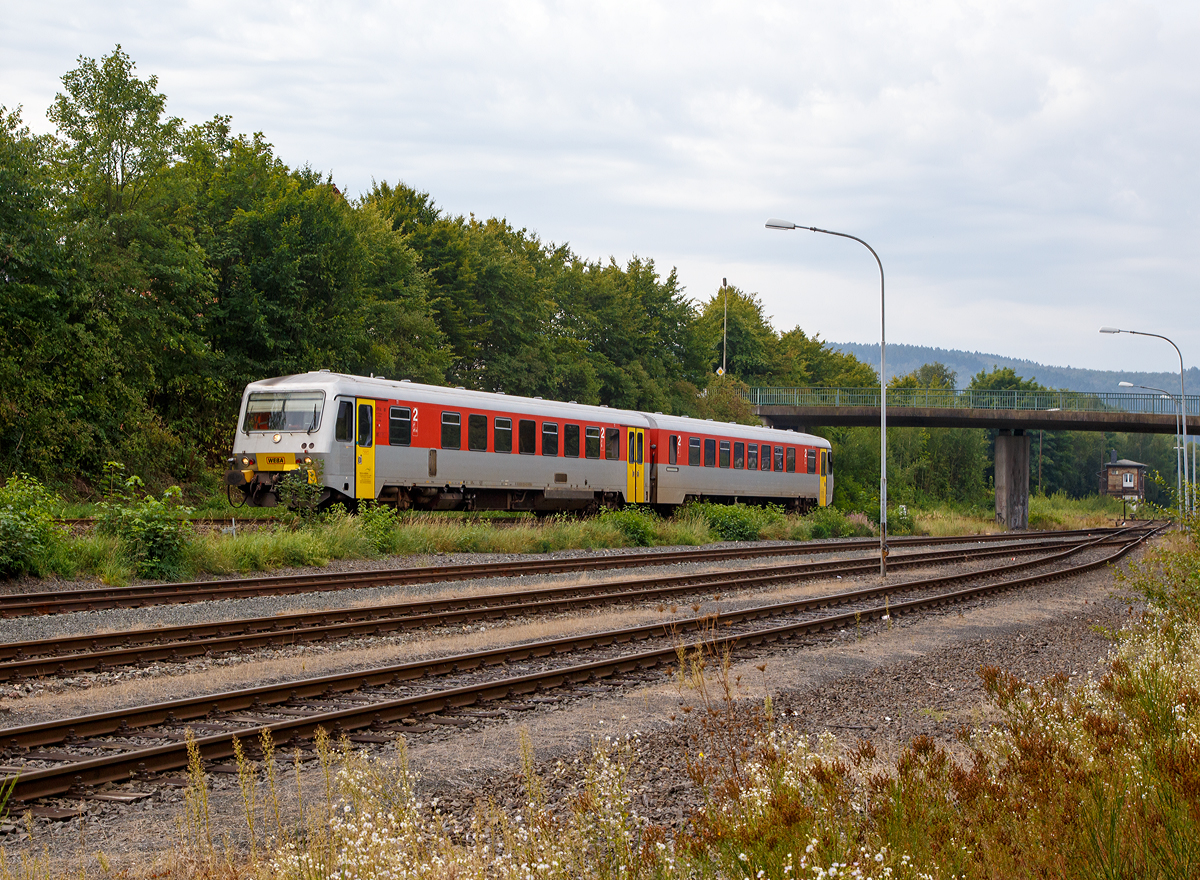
(364, 461)
(635, 489)
(823, 495)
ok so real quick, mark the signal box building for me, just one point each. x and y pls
(1125, 479)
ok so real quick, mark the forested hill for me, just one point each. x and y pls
(903, 359)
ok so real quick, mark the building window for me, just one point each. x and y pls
(503, 434)
(571, 441)
(549, 438)
(477, 433)
(451, 430)
(527, 436)
(400, 426)
(591, 442)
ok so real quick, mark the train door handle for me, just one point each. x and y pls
(360, 459)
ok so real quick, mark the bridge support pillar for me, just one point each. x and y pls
(1012, 478)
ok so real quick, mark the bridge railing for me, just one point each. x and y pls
(950, 398)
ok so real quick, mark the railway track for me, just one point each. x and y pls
(142, 595)
(65, 655)
(372, 705)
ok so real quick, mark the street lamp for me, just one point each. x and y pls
(1190, 504)
(883, 548)
(1179, 415)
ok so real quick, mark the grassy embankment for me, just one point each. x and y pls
(1099, 780)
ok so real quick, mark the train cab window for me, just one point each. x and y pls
(673, 449)
(791, 459)
(694, 452)
(710, 453)
(752, 457)
(366, 425)
(502, 432)
(527, 436)
(591, 442)
(612, 444)
(400, 426)
(549, 438)
(811, 460)
(778, 458)
(723, 460)
(343, 428)
(477, 432)
(739, 455)
(451, 430)
(571, 441)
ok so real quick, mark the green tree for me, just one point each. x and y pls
(1003, 379)
(935, 375)
(807, 361)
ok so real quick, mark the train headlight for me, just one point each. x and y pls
(247, 461)
(307, 459)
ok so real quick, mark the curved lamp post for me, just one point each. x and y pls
(883, 548)
(1179, 454)
(1185, 504)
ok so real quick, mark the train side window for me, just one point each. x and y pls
(752, 457)
(549, 438)
(571, 441)
(739, 455)
(477, 432)
(723, 461)
(778, 458)
(527, 436)
(694, 452)
(400, 426)
(791, 459)
(591, 442)
(612, 444)
(827, 462)
(766, 457)
(710, 452)
(366, 425)
(451, 430)
(343, 429)
(502, 432)
(672, 449)
(811, 461)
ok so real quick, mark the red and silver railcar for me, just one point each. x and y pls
(432, 448)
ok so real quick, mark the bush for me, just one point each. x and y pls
(735, 522)
(829, 522)
(637, 524)
(153, 532)
(378, 524)
(28, 535)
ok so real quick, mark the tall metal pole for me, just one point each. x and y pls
(1187, 504)
(883, 547)
(725, 331)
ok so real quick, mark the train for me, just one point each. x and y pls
(424, 447)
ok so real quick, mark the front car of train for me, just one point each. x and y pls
(284, 432)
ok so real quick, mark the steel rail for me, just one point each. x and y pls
(111, 768)
(99, 598)
(63, 655)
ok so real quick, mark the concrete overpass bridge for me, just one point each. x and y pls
(1014, 413)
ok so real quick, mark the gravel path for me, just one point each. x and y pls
(887, 684)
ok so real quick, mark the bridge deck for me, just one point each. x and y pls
(1030, 410)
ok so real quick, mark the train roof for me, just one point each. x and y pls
(391, 389)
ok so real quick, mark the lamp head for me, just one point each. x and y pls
(773, 223)
(1109, 330)
(1126, 384)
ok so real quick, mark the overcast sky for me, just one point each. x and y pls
(1027, 171)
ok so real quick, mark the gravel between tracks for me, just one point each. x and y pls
(884, 684)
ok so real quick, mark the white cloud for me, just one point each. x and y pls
(1024, 169)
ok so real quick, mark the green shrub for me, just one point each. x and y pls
(153, 532)
(378, 523)
(28, 534)
(637, 524)
(735, 522)
(829, 522)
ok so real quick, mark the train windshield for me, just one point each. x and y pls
(284, 411)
